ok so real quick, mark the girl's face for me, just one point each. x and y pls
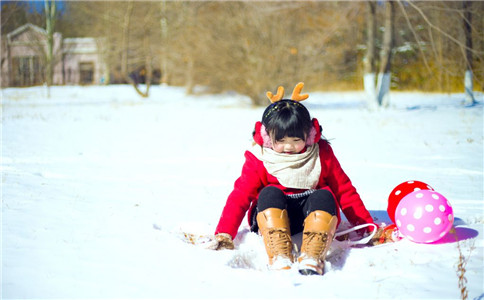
(289, 145)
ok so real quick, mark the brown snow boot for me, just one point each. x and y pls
(274, 228)
(319, 230)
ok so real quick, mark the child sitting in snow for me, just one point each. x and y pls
(291, 182)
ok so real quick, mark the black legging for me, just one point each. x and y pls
(297, 208)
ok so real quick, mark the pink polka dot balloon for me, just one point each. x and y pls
(424, 216)
(402, 190)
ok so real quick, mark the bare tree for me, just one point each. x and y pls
(380, 96)
(468, 78)
(50, 18)
(128, 35)
(125, 39)
(251, 47)
(193, 37)
(125, 49)
(164, 42)
(369, 62)
(13, 15)
(455, 41)
(384, 76)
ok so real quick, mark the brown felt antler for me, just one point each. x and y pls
(276, 97)
(296, 94)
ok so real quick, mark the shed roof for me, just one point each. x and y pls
(24, 28)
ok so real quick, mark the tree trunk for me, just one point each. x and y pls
(148, 61)
(384, 76)
(191, 14)
(50, 14)
(148, 68)
(164, 44)
(468, 79)
(125, 52)
(440, 52)
(189, 75)
(125, 39)
(369, 61)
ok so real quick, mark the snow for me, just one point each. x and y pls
(98, 183)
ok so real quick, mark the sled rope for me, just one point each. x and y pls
(364, 240)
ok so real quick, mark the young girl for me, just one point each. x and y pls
(291, 182)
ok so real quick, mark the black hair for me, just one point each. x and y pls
(287, 118)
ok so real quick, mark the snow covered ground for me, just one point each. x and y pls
(97, 184)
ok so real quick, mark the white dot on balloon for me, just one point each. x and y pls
(437, 221)
(429, 207)
(435, 196)
(441, 208)
(418, 213)
(399, 224)
(419, 195)
(443, 233)
(410, 182)
(410, 227)
(398, 192)
(403, 211)
(417, 189)
(451, 218)
(430, 188)
(427, 230)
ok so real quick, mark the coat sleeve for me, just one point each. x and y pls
(246, 190)
(348, 198)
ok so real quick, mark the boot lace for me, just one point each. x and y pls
(315, 243)
(280, 243)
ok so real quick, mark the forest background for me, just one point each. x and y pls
(249, 47)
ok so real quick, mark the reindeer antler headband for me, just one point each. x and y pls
(295, 98)
(296, 94)
(261, 136)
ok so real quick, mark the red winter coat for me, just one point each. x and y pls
(255, 177)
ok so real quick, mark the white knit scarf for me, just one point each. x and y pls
(300, 171)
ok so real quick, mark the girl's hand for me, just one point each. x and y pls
(386, 234)
(368, 230)
(224, 241)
